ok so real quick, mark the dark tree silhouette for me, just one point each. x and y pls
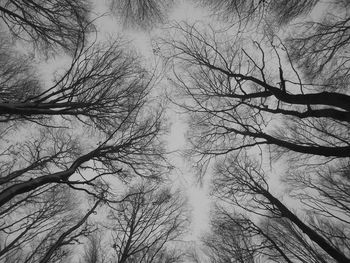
(329, 186)
(67, 237)
(41, 227)
(228, 242)
(295, 244)
(46, 25)
(144, 223)
(95, 119)
(235, 98)
(132, 152)
(244, 184)
(236, 237)
(265, 97)
(273, 239)
(102, 86)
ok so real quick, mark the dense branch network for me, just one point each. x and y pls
(236, 95)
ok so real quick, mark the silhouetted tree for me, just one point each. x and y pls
(47, 25)
(235, 237)
(144, 223)
(228, 243)
(102, 86)
(319, 48)
(275, 97)
(41, 227)
(244, 184)
(235, 97)
(93, 120)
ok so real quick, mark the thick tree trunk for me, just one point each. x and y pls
(313, 235)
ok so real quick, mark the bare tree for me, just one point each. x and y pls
(141, 13)
(43, 226)
(94, 120)
(269, 11)
(102, 86)
(227, 242)
(280, 97)
(319, 49)
(133, 151)
(69, 235)
(104, 89)
(17, 76)
(244, 184)
(144, 223)
(294, 242)
(323, 189)
(235, 237)
(46, 24)
(235, 98)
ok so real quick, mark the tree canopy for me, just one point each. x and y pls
(84, 159)
(262, 101)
